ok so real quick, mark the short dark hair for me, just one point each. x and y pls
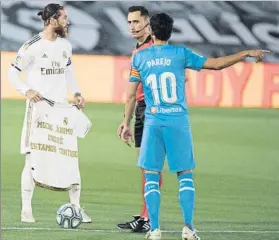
(143, 11)
(161, 25)
(50, 10)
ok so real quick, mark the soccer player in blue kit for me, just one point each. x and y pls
(161, 69)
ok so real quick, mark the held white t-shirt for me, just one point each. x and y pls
(54, 144)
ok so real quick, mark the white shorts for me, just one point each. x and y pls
(28, 125)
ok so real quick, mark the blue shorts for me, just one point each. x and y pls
(173, 142)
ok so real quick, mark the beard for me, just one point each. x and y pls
(61, 31)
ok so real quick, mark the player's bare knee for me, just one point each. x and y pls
(184, 172)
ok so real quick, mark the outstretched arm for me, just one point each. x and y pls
(227, 61)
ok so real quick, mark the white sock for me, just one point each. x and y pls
(27, 185)
(74, 194)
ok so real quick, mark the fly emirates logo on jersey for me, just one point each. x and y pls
(49, 66)
(55, 70)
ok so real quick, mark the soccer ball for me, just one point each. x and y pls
(68, 216)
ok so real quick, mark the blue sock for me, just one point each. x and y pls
(152, 197)
(187, 198)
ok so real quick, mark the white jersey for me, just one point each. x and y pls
(54, 146)
(45, 63)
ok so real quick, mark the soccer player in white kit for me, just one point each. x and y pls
(46, 60)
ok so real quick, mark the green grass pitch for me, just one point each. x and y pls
(236, 178)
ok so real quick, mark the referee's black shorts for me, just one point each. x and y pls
(139, 123)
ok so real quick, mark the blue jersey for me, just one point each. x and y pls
(162, 72)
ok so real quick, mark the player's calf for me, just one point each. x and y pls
(152, 198)
(187, 197)
(27, 189)
(144, 213)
